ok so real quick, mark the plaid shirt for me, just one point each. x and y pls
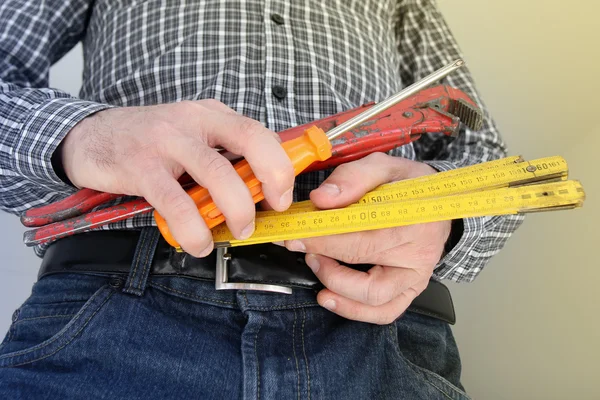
(282, 64)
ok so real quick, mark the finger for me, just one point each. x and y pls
(165, 194)
(216, 105)
(212, 171)
(353, 310)
(407, 246)
(350, 181)
(375, 287)
(355, 248)
(261, 148)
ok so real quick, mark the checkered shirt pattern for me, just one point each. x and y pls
(329, 56)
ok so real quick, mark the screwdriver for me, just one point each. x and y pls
(314, 145)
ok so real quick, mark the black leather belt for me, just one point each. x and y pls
(259, 267)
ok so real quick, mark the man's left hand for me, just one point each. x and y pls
(404, 258)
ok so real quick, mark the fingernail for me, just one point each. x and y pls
(296, 245)
(330, 189)
(330, 304)
(313, 263)
(248, 231)
(279, 243)
(286, 198)
(207, 250)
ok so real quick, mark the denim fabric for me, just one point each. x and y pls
(91, 337)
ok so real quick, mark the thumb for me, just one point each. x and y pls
(349, 182)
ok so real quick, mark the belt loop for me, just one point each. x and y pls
(142, 261)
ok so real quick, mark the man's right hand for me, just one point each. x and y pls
(142, 151)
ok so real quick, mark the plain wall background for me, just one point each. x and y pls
(528, 327)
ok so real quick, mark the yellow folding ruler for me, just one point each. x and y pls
(507, 186)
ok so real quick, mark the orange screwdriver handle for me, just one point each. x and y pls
(312, 146)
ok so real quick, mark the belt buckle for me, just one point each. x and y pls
(221, 282)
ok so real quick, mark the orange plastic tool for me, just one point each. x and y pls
(313, 145)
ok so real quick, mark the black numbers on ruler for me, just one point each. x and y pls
(380, 198)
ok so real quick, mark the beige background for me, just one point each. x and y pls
(528, 328)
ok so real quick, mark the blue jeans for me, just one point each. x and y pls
(91, 336)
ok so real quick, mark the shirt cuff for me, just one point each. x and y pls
(463, 237)
(42, 130)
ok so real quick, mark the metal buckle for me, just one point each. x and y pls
(221, 280)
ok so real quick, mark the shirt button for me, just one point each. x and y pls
(279, 91)
(278, 19)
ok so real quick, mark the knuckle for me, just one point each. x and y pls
(210, 103)
(160, 127)
(177, 202)
(349, 172)
(375, 293)
(376, 157)
(250, 128)
(218, 168)
(186, 107)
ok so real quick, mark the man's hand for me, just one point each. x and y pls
(403, 258)
(142, 151)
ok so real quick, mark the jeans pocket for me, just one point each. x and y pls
(428, 348)
(56, 313)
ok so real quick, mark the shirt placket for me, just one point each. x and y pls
(279, 66)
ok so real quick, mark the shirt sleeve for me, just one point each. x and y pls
(426, 44)
(34, 118)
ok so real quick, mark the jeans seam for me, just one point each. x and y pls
(296, 357)
(283, 307)
(190, 294)
(47, 316)
(304, 352)
(144, 270)
(257, 361)
(147, 264)
(24, 352)
(422, 372)
(137, 261)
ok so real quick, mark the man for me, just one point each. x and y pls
(165, 82)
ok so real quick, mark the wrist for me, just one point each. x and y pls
(68, 159)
